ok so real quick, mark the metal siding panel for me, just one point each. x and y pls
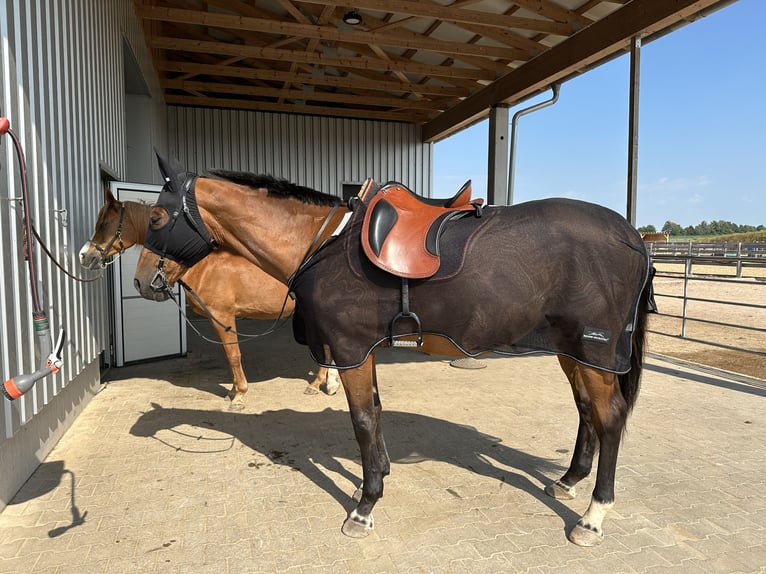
(249, 135)
(24, 335)
(8, 351)
(61, 86)
(315, 151)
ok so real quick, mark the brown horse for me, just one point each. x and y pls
(229, 285)
(552, 276)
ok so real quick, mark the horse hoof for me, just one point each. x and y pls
(331, 391)
(560, 492)
(356, 526)
(583, 536)
(237, 406)
(310, 391)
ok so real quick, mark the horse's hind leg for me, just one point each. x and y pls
(585, 445)
(327, 377)
(361, 388)
(603, 413)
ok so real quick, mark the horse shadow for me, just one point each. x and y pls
(204, 367)
(309, 442)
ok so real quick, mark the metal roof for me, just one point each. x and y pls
(438, 63)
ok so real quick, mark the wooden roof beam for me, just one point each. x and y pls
(352, 62)
(297, 79)
(232, 22)
(421, 9)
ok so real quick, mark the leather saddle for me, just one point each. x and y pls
(401, 230)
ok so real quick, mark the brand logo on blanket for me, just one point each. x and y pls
(596, 335)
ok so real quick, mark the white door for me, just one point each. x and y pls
(143, 329)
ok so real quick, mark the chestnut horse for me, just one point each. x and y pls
(229, 286)
(552, 276)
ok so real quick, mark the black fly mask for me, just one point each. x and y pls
(184, 238)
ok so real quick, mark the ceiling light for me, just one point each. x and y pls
(352, 18)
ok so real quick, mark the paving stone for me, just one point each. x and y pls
(158, 477)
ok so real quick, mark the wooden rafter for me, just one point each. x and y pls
(415, 61)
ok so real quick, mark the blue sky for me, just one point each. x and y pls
(702, 130)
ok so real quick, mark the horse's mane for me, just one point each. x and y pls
(275, 186)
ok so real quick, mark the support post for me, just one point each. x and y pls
(497, 165)
(633, 105)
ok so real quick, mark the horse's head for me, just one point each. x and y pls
(108, 238)
(176, 238)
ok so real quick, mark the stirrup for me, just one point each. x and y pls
(402, 343)
(405, 314)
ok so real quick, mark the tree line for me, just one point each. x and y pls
(703, 228)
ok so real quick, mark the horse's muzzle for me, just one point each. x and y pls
(148, 292)
(89, 257)
(90, 261)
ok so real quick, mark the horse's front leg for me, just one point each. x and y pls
(361, 388)
(234, 358)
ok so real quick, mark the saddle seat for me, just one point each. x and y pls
(401, 230)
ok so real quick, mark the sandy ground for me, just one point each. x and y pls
(747, 291)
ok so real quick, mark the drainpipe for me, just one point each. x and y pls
(514, 123)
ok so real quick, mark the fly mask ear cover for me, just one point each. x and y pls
(184, 238)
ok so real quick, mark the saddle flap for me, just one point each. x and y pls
(400, 231)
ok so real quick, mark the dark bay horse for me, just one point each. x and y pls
(555, 276)
(229, 286)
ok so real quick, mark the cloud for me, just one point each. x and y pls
(676, 184)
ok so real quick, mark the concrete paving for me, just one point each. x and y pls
(158, 476)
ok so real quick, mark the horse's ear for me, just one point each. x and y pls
(108, 197)
(165, 169)
(170, 171)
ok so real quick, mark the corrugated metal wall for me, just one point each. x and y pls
(316, 152)
(61, 86)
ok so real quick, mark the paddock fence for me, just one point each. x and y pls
(711, 293)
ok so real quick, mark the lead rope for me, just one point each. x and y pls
(278, 322)
(57, 264)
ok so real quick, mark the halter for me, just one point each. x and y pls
(103, 251)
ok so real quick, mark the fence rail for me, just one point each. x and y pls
(738, 255)
(742, 265)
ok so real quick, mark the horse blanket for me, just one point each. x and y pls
(554, 276)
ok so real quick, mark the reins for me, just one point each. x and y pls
(311, 251)
(160, 282)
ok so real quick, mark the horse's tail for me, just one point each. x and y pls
(630, 382)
